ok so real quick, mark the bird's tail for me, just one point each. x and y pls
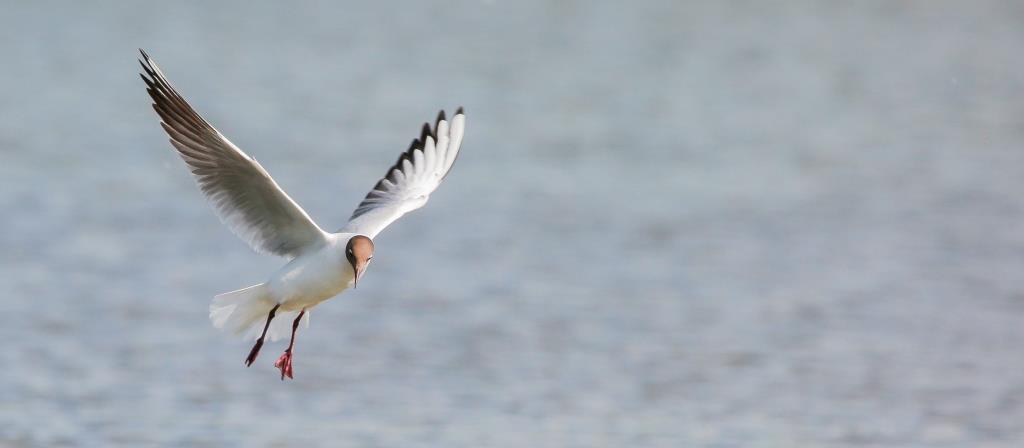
(244, 312)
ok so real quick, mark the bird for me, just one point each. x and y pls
(321, 264)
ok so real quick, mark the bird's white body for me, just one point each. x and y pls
(307, 280)
(313, 277)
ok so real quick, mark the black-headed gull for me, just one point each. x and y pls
(254, 207)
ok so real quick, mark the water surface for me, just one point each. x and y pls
(723, 224)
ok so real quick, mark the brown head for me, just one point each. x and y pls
(359, 252)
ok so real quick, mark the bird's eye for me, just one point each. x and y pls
(370, 258)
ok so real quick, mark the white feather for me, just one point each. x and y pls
(420, 171)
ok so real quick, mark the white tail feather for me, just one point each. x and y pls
(244, 312)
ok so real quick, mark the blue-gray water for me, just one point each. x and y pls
(723, 224)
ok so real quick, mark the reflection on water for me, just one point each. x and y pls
(716, 225)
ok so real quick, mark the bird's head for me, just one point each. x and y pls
(359, 252)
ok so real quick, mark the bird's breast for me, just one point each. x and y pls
(310, 279)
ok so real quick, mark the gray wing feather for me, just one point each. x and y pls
(242, 193)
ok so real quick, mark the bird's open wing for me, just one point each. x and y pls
(243, 194)
(417, 173)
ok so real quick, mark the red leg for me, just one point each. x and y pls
(259, 342)
(285, 361)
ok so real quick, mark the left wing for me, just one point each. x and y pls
(417, 173)
(242, 193)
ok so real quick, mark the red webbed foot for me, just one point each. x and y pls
(285, 364)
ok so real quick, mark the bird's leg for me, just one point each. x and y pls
(259, 342)
(285, 361)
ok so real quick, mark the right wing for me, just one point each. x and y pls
(242, 193)
(417, 173)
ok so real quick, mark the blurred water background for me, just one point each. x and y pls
(722, 224)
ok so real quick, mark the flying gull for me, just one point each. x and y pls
(321, 264)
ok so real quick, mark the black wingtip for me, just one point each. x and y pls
(425, 132)
(146, 67)
(440, 118)
(147, 64)
(459, 111)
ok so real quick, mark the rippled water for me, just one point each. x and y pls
(721, 224)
